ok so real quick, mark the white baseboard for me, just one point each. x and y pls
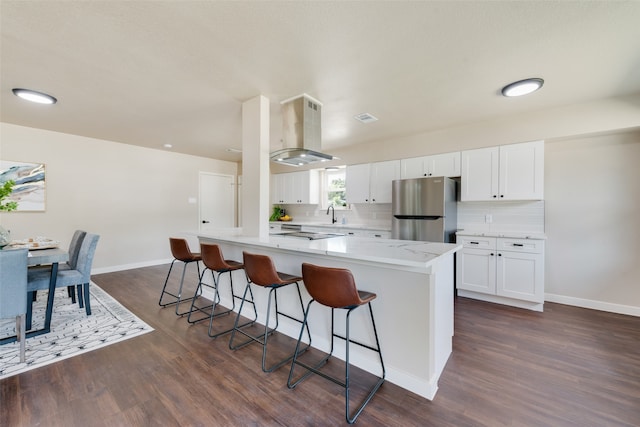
(595, 305)
(123, 267)
(535, 306)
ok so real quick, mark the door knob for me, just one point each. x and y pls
(205, 222)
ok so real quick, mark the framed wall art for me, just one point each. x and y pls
(29, 188)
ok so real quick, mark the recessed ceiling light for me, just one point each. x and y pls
(234, 150)
(33, 96)
(522, 87)
(168, 146)
(365, 118)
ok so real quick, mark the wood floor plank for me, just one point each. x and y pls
(509, 367)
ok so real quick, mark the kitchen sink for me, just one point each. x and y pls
(311, 235)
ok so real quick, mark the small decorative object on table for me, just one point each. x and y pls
(35, 243)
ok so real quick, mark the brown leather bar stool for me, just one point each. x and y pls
(181, 252)
(336, 288)
(261, 271)
(214, 261)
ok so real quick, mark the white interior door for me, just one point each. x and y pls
(217, 201)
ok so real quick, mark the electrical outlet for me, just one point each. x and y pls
(488, 218)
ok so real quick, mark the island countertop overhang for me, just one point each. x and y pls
(416, 255)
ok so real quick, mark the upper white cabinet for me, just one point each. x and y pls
(447, 164)
(371, 182)
(507, 172)
(295, 188)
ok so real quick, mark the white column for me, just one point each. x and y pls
(255, 167)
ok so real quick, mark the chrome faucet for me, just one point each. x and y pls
(333, 216)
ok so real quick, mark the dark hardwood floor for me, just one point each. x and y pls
(510, 367)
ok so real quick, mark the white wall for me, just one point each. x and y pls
(134, 197)
(592, 199)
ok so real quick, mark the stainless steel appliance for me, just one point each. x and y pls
(424, 209)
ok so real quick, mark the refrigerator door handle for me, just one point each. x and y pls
(417, 217)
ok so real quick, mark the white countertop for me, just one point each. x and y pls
(507, 234)
(389, 251)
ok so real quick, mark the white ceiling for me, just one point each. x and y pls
(155, 72)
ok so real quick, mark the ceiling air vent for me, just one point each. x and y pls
(366, 118)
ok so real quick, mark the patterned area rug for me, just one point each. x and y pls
(72, 331)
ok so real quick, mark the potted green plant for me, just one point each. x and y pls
(5, 190)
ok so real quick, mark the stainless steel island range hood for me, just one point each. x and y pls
(301, 133)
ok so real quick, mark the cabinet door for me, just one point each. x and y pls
(476, 270)
(520, 276)
(522, 171)
(304, 187)
(289, 188)
(299, 185)
(447, 164)
(277, 188)
(357, 183)
(479, 174)
(382, 175)
(412, 168)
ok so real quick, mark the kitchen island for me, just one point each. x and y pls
(413, 310)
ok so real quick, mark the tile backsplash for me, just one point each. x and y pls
(486, 217)
(521, 216)
(373, 215)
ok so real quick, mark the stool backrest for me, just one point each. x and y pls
(260, 269)
(212, 257)
(333, 287)
(180, 249)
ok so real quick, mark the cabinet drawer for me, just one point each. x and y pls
(521, 245)
(477, 242)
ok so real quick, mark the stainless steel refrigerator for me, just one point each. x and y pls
(424, 209)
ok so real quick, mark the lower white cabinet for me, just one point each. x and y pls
(367, 233)
(352, 232)
(503, 270)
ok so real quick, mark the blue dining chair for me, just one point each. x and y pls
(74, 251)
(13, 291)
(80, 276)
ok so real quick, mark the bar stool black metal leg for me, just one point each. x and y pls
(315, 369)
(178, 296)
(208, 310)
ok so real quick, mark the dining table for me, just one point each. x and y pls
(51, 257)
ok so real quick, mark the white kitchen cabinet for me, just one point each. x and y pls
(277, 188)
(507, 172)
(366, 233)
(447, 164)
(476, 264)
(371, 182)
(295, 187)
(502, 270)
